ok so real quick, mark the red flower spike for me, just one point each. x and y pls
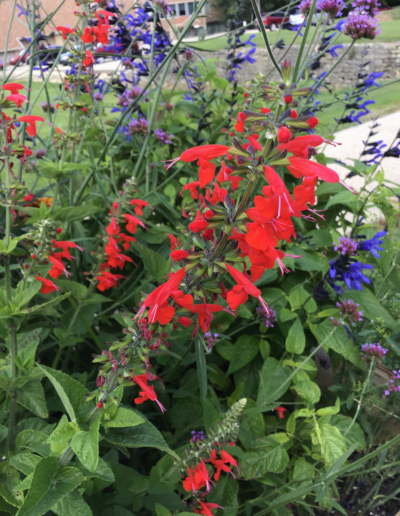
(138, 206)
(299, 146)
(303, 167)
(248, 286)
(284, 134)
(65, 31)
(199, 224)
(132, 223)
(17, 99)
(281, 411)
(206, 508)
(174, 242)
(237, 296)
(147, 392)
(89, 59)
(177, 256)
(107, 280)
(31, 121)
(48, 285)
(14, 88)
(206, 152)
(88, 35)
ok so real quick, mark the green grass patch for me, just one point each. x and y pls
(390, 31)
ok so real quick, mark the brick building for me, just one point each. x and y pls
(208, 23)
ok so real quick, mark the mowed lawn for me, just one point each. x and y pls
(390, 32)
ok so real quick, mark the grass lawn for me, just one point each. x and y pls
(390, 32)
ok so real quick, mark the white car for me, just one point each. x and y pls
(297, 18)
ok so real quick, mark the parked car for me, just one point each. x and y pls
(296, 18)
(44, 53)
(21, 58)
(274, 20)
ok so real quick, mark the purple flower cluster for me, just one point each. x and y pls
(373, 244)
(211, 339)
(47, 107)
(305, 6)
(359, 26)
(197, 436)
(162, 137)
(392, 383)
(331, 7)
(163, 5)
(40, 153)
(370, 7)
(270, 317)
(346, 246)
(188, 53)
(374, 350)
(129, 96)
(350, 309)
(98, 96)
(138, 126)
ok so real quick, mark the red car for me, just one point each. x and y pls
(20, 59)
(273, 20)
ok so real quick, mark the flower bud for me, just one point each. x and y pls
(284, 134)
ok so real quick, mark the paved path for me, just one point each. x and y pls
(352, 146)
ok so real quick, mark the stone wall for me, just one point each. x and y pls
(382, 57)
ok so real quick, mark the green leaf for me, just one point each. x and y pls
(156, 235)
(154, 263)
(244, 351)
(329, 411)
(201, 368)
(43, 307)
(344, 197)
(43, 478)
(61, 435)
(225, 349)
(3, 432)
(86, 446)
(371, 306)
(72, 504)
(71, 392)
(122, 418)
(24, 296)
(9, 479)
(25, 462)
(189, 107)
(332, 444)
(74, 213)
(33, 440)
(271, 458)
(308, 390)
(303, 473)
(162, 511)
(336, 338)
(31, 396)
(299, 297)
(145, 435)
(272, 377)
(296, 340)
(352, 432)
(78, 291)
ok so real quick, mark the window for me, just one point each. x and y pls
(190, 6)
(207, 8)
(181, 11)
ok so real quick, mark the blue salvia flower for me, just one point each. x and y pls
(373, 244)
(353, 277)
(333, 49)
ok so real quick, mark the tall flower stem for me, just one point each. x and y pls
(7, 276)
(265, 36)
(303, 42)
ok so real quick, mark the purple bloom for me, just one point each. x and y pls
(370, 7)
(197, 436)
(392, 383)
(373, 244)
(331, 7)
(353, 276)
(40, 153)
(270, 317)
(188, 53)
(165, 8)
(45, 106)
(163, 137)
(138, 126)
(361, 26)
(346, 246)
(374, 350)
(211, 339)
(98, 96)
(350, 308)
(305, 6)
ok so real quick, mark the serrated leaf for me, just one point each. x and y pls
(332, 444)
(9, 478)
(145, 435)
(61, 435)
(25, 462)
(73, 213)
(308, 390)
(272, 382)
(123, 417)
(154, 263)
(272, 458)
(303, 473)
(344, 197)
(352, 432)
(336, 338)
(71, 392)
(86, 446)
(72, 504)
(31, 396)
(78, 290)
(37, 308)
(296, 340)
(244, 351)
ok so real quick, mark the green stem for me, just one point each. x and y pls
(265, 36)
(303, 42)
(371, 368)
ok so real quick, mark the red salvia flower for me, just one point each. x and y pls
(48, 285)
(138, 206)
(206, 508)
(13, 87)
(174, 242)
(31, 121)
(281, 411)
(147, 392)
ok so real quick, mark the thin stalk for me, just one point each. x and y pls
(303, 42)
(371, 368)
(265, 36)
(7, 277)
